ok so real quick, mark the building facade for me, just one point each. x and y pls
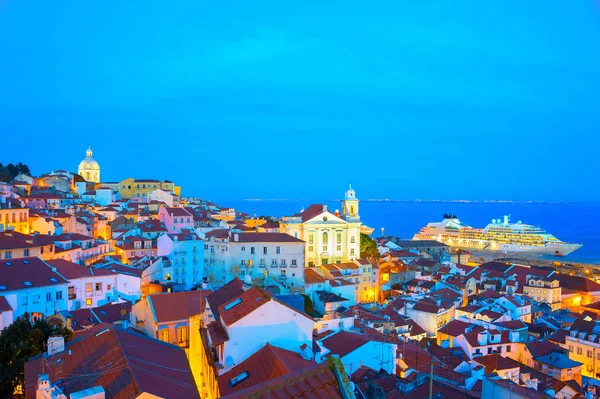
(329, 237)
(89, 169)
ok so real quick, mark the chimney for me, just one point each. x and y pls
(482, 337)
(374, 391)
(45, 390)
(56, 344)
(324, 208)
(306, 352)
(513, 336)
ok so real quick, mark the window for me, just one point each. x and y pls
(352, 239)
(239, 378)
(243, 262)
(264, 250)
(48, 296)
(294, 262)
(508, 348)
(164, 335)
(59, 295)
(232, 304)
(27, 283)
(88, 301)
(26, 252)
(108, 287)
(310, 238)
(277, 250)
(282, 262)
(243, 248)
(7, 255)
(571, 350)
(325, 237)
(274, 263)
(212, 249)
(252, 251)
(338, 238)
(310, 248)
(579, 351)
(88, 289)
(262, 263)
(589, 353)
(182, 335)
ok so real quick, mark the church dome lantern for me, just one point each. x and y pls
(89, 169)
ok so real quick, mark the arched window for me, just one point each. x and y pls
(325, 237)
(351, 209)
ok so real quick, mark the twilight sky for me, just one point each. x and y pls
(408, 99)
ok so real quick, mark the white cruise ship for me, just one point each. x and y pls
(500, 235)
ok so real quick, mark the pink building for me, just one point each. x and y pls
(176, 219)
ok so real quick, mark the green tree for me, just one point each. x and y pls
(10, 171)
(20, 341)
(368, 247)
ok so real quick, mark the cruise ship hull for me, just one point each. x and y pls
(546, 249)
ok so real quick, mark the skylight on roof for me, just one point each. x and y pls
(25, 261)
(2, 287)
(103, 313)
(27, 283)
(236, 380)
(53, 280)
(8, 263)
(232, 304)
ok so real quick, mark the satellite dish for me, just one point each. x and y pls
(228, 361)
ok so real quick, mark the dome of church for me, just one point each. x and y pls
(89, 163)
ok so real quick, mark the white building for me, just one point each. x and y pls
(185, 252)
(355, 350)
(30, 285)
(161, 196)
(90, 288)
(247, 319)
(255, 256)
(329, 237)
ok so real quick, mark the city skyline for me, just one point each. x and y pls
(434, 101)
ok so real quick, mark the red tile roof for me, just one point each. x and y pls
(264, 365)
(312, 277)
(177, 212)
(313, 382)
(123, 362)
(576, 283)
(72, 270)
(4, 305)
(217, 333)
(495, 362)
(14, 273)
(219, 233)
(311, 212)
(267, 237)
(178, 305)
(226, 293)
(242, 305)
(344, 342)
(113, 312)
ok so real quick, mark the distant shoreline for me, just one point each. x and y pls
(417, 201)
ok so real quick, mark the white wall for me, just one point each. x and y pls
(273, 323)
(30, 300)
(376, 355)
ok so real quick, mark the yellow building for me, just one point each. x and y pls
(544, 289)
(583, 344)
(330, 237)
(89, 169)
(252, 223)
(141, 188)
(16, 219)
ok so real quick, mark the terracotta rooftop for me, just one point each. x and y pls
(4, 305)
(267, 363)
(112, 312)
(344, 342)
(72, 270)
(226, 293)
(22, 273)
(313, 382)
(266, 237)
(242, 305)
(124, 363)
(175, 306)
(312, 277)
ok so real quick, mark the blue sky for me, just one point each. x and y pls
(408, 99)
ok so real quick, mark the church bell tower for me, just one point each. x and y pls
(350, 204)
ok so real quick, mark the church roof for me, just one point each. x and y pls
(89, 163)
